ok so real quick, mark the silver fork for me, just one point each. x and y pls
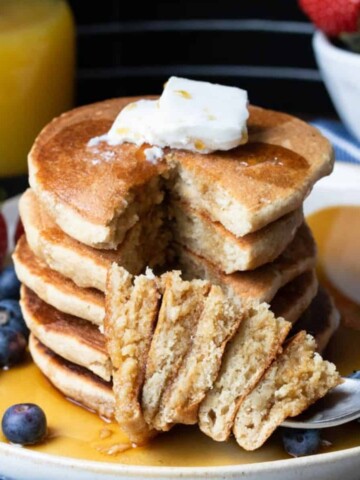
(340, 405)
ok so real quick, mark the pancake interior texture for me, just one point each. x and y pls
(212, 241)
(73, 381)
(250, 352)
(295, 380)
(132, 307)
(258, 285)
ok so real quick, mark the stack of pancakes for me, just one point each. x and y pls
(233, 218)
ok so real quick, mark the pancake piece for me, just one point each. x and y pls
(294, 298)
(182, 305)
(84, 265)
(217, 323)
(75, 382)
(257, 183)
(321, 319)
(72, 338)
(56, 290)
(295, 380)
(246, 357)
(229, 253)
(132, 306)
(258, 285)
(94, 193)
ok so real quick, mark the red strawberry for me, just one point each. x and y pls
(333, 17)
(3, 240)
(19, 231)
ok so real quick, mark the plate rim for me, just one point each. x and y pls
(88, 466)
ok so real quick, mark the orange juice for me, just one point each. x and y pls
(36, 73)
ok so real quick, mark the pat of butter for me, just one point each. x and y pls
(191, 115)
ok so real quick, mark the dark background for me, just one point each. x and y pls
(264, 46)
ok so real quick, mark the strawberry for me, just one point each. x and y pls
(3, 240)
(333, 17)
(19, 231)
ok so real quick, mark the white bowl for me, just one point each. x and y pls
(341, 73)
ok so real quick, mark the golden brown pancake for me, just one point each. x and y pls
(229, 253)
(144, 245)
(252, 185)
(55, 289)
(70, 337)
(95, 194)
(75, 382)
(258, 285)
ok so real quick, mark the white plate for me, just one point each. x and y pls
(343, 187)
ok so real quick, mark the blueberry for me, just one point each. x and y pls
(12, 346)
(11, 316)
(298, 442)
(355, 374)
(9, 284)
(24, 423)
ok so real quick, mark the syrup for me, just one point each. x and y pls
(78, 433)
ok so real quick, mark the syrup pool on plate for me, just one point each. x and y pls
(78, 433)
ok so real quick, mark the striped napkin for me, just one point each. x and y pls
(347, 148)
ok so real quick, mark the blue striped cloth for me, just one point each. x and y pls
(347, 148)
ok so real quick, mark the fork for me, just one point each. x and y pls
(341, 405)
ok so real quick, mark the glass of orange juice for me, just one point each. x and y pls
(37, 57)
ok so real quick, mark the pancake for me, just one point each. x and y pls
(88, 389)
(321, 319)
(209, 335)
(75, 382)
(252, 349)
(294, 381)
(144, 245)
(181, 307)
(82, 343)
(70, 337)
(229, 253)
(258, 285)
(55, 289)
(96, 193)
(255, 184)
(132, 308)
(294, 298)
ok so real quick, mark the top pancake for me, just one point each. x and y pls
(88, 190)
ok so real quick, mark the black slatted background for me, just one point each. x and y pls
(125, 48)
